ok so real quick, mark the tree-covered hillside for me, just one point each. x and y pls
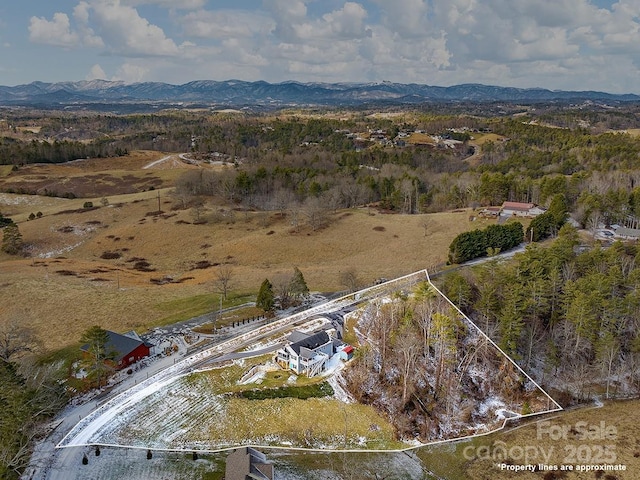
(568, 314)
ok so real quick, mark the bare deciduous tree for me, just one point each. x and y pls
(223, 277)
(16, 340)
(315, 212)
(349, 279)
(426, 225)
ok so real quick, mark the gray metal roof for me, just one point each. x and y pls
(119, 345)
(312, 342)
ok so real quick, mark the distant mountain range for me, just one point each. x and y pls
(236, 93)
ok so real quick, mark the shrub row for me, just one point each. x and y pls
(479, 243)
(318, 390)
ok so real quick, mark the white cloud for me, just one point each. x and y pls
(96, 73)
(130, 73)
(286, 13)
(126, 33)
(406, 18)
(226, 24)
(173, 4)
(59, 32)
(56, 32)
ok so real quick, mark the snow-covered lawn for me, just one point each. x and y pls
(196, 412)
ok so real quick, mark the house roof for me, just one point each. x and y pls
(121, 345)
(297, 336)
(518, 206)
(247, 462)
(311, 342)
(348, 349)
(628, 232)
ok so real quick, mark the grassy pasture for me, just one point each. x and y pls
(482, 138)
(97, 177)
(124, 267)
(68, 286)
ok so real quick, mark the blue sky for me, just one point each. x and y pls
(556, 44)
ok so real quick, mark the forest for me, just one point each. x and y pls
(291, 159)
(569, 314)
(430, 370)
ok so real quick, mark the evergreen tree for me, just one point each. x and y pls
(4, 221)
(96, 339)
(12, 240)
(559, 209)
(265, 299)
(298, 286)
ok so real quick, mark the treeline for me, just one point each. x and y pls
(30, 395)
(490, 241)
(307, 157)
(429, 371)
(567, 314)
(13, 152)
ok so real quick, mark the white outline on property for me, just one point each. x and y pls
(87, 428)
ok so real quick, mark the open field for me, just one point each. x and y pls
(482, 138)
(592, 436)
(66, 286)
(96, 177)
(195, 413)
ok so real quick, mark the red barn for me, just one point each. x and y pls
(125, 349)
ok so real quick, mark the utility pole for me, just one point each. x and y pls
(159, 203)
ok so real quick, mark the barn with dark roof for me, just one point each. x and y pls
(124, 349)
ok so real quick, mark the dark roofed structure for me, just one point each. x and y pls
(247, 463)
(126, 348)
(312, 342)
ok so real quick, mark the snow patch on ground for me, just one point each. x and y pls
(58, 252)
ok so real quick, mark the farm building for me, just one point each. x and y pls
(346, 353)
(247, 463)
(125, 349)
(518, 209)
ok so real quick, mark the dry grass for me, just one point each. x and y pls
(420, 139)
(82, 269)
(482, 138)
(95, 177)
(450, 459)
(280, 420)
(113, 294)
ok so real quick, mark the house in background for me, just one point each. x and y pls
(518, 209)
(124, 349)
(247, 463)
(627, 233)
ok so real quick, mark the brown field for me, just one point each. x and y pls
(482, 138)
(122, 266)
(635, 132)
(420, 139)
(613, 438)
(95, 177)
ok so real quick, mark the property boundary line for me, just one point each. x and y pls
(181, 368)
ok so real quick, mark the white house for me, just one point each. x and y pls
(518, 209)
(306, 354)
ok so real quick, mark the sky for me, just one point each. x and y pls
(554, 44)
